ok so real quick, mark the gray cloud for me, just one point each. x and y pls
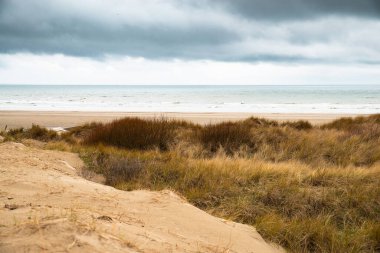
(301, 9)
(250, 30)
(32, 26)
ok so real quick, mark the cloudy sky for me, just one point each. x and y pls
(190, 41)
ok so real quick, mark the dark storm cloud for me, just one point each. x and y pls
(94, 41)
(301, 9)
(234, 30)
(69, 33)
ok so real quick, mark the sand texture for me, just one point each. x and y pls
(13, 119)
(45, 206)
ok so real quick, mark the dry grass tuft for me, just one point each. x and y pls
(136, 133)
(307, 188)
(229, 136)
(35, 132)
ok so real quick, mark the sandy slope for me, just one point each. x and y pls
(46, 207)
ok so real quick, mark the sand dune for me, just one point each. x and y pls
(47, 207)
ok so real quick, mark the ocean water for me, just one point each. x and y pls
(358, 99)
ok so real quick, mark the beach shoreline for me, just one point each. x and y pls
(65, 119)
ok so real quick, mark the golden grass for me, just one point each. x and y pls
(309, 189)
(303, 208)
(330, 144)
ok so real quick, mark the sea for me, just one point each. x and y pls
(355, 99)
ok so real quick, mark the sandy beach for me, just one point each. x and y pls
(13, 119)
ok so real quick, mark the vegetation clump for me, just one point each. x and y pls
(308, 188)
(268, 140)
(229, 135)
(35, 132)
(136, 133)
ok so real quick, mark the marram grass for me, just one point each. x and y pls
(307, 188)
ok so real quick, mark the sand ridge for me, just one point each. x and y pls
(45, 206)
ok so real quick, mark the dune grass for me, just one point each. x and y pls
(355, 143)
(229, 135)
(307, 188)
(35, 132)
(301, 207)
(136, 133)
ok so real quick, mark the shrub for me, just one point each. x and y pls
(229, 136)
(35, 132)
(136, 133)
(78, 133)
(253, 122)
(118, 170)
(16, 131)
(352, 124)
(299, 125)
(39, 133)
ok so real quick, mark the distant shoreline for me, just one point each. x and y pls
(14, 119)
(221, 100)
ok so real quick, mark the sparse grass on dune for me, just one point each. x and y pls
(307, 188)
(303, 208)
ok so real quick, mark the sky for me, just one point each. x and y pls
(190, 42)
